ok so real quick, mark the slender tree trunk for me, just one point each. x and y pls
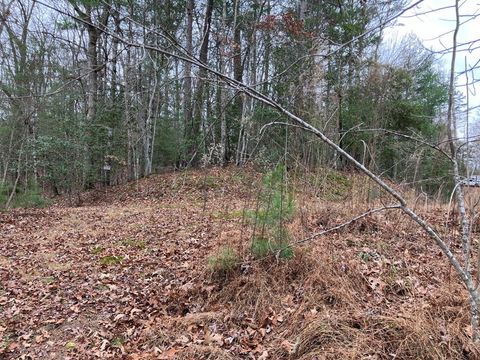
(238, 76)
(115, 54)
(202, 74)
(187, 80)
(464, 221)
(149, 131)
(15, 184)
(130, 163)
(6, 161)
(92, 57)
(221, 95)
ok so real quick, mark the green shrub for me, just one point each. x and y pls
(224, 261)
(111, 260)
(3, 195)
(262, 247)
(29, 197)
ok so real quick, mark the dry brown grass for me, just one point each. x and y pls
(329, 316)
(338, 324)
(258, 288)
(377, 289)
(203, 352)
(405, 304)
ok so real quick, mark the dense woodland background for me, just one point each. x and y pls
(86, 100)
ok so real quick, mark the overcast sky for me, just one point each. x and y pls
(435, 30)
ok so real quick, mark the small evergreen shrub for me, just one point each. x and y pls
(262, 247)
(275, 208)
(224, 261)
(31, 197)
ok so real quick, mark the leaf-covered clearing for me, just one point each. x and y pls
(129, 275)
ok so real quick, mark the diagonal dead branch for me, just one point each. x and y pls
(351, 221)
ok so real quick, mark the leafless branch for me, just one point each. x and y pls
(351, 221)
(409, 137)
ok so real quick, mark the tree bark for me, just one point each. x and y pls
(187, 77)
(199, 92)
(221, 95)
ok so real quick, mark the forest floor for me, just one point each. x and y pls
(127, 275)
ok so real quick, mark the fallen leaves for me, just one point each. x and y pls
(169, 354)
(126, 276)
(79, 278)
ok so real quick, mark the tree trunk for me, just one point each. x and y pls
(221, 95)
(199, 92)
(187, 80)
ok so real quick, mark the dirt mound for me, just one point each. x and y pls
(171, 185)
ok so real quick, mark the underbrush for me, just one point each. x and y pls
(29, 197)
(320, 304)
(263, 247)
(224, 261)
(357, 293)
(229, 280)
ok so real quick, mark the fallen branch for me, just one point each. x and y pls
(351, 221)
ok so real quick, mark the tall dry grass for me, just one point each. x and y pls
(377, 289)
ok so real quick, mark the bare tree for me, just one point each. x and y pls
(94, 29)
(198, 124)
